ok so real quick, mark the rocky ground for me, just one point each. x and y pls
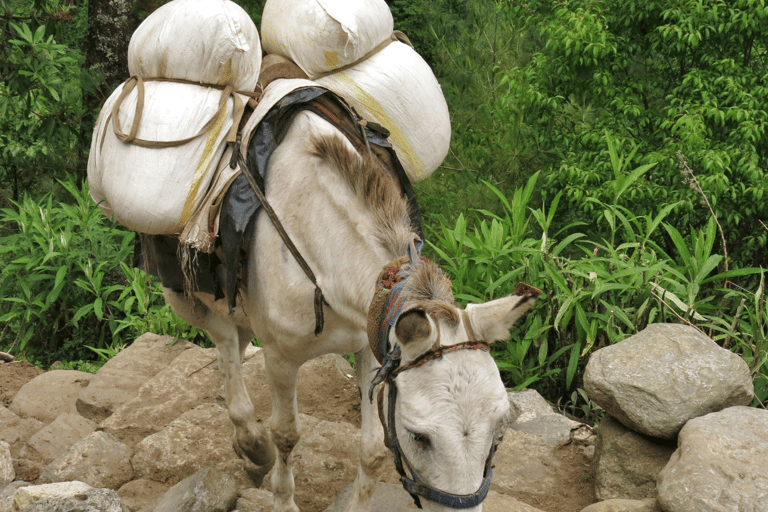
(145, 409)
(150, 433)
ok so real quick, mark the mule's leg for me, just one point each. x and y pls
(251, 437)
(373, 453)
(285, 426)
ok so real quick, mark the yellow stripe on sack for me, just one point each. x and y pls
(227, 76)
(331, 59)
(202, 166)
(405, 150)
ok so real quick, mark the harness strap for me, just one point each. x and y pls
(439, 353)
(319, 298)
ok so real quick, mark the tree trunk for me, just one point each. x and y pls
(110, 26)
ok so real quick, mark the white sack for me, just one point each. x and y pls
(154, 190)
(205, 41)
(205, 219)
(397, 89)
(323, 35)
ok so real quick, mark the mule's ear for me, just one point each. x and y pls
(412, 326)
(492, 320)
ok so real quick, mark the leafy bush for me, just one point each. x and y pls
(66, 284)
(597, 293)
(42, 106)
(682, 81)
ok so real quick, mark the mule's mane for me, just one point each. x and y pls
(431, 290)
(375, 187)
(428, 286)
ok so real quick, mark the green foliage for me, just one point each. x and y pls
(469, 45)
(597, 293)
(41, 97)
(684, 81)
(66, 286)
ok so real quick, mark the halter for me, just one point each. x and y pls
(391, 285)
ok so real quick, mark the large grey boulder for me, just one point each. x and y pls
(50, 394)
(196, 439)
(98, 459)
(627, 463)
(530, 412)
(719, 465)
(16, 431)
(655, 381)
(208, 490)
(192, 379)
(119, 380)
(58, 437)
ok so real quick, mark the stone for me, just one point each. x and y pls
(142, 495)
(7, 473)
(719, 464)
(58, 437)
(657, 380)
(618, 505)
(16, 431)
(254, 500)
(120, 379)
(191, 380)
(530, 412)
(26, 496)
(50, 394)
(98, 459)
(627, 463)
(6, 495)
(208, 490)
(526, 465)
(91, 500)
(196, 439)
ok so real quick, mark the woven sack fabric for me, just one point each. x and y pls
(324, 35)
(204, 41)
(397, 89)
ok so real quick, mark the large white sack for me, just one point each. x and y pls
(156, 190)
(397, 89)
(205, 41)
(323, 35)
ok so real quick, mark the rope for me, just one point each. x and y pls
(396, 36)
(136, 82)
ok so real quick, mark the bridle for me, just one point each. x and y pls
(391, 285)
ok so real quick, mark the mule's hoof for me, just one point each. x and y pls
(258, 449)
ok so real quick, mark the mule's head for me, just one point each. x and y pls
(447, 410)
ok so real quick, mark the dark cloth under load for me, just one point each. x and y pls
(159, 255)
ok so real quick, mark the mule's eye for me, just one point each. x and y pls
(422, 440)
